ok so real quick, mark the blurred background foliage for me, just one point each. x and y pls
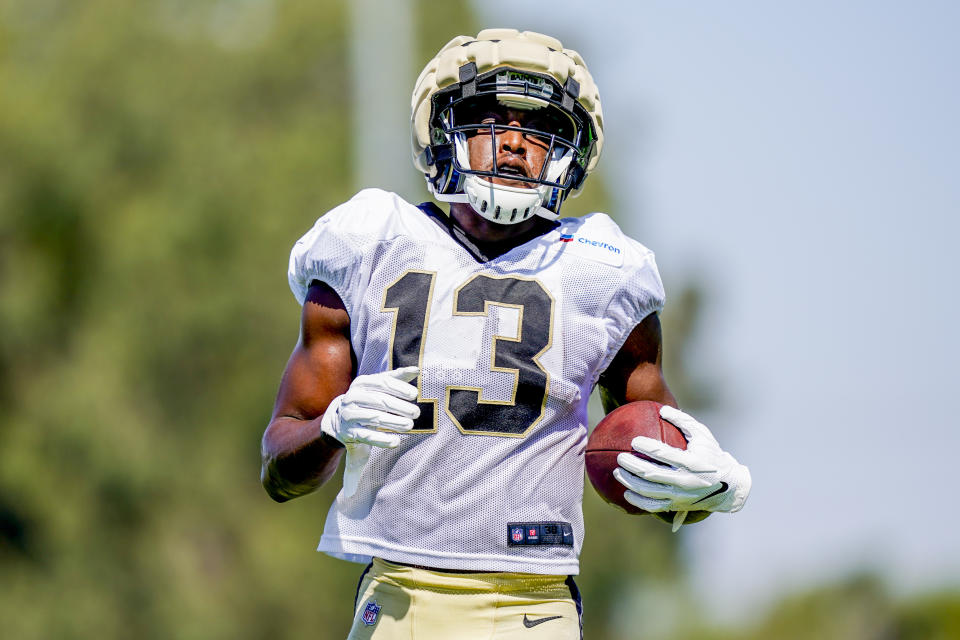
(157, 161)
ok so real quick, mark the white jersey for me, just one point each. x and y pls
(510, 348)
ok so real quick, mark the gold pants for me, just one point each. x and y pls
(399, 602)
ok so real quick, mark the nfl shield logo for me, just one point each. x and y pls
(371, 613)
(516, 534)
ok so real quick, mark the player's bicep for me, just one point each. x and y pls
(635, 373)
(322, 364)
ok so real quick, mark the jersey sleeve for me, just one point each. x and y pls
(332, 250)
(640, 294)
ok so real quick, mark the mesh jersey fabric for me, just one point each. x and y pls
(509, 351)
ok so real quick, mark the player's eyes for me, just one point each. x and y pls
(552, 124)
(485, 111)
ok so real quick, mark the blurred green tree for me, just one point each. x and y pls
(156, 159)
(857, 607)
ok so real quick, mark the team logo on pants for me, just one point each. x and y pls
(371, 613)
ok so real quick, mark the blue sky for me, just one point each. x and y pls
(802, 157)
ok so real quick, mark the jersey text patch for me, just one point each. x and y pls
(539, 533)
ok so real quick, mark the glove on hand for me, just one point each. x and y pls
(376, 401)
(703, 477)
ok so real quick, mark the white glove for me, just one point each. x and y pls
(703, 477)
(375, 401)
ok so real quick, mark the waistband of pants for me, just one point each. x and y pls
(414, 576)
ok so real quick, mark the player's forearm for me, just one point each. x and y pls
(654, 390)
(296, 458)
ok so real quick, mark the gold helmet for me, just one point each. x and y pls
(519, 70)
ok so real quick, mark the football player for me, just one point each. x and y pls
(448, 356)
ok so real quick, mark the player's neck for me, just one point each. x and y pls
(484, 231)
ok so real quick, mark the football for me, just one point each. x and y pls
(613, 435)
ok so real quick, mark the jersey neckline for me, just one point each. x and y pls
(482, 252)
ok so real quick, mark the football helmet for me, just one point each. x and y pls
(503, 69)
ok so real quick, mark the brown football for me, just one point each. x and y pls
(613, 435)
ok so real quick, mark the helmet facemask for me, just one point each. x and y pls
(555, 124)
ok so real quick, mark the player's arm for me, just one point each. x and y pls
(702, 478)
(636, 372)
(297, 457)
(322, 408)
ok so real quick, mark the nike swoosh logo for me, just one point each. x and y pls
(723, 487)
(529, 624)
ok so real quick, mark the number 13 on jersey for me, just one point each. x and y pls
(409, 299)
